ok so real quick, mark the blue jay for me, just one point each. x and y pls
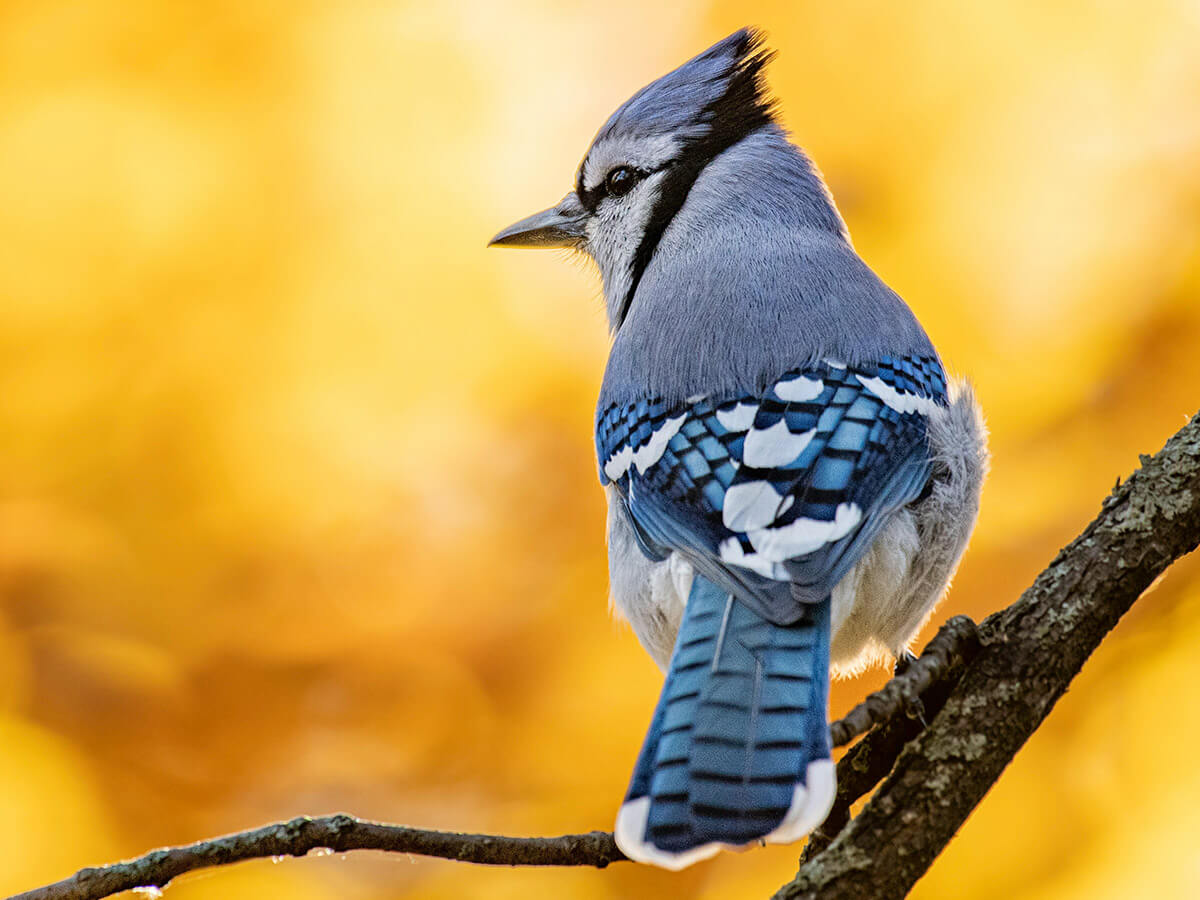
(791, 477)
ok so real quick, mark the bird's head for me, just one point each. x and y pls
(644, 161)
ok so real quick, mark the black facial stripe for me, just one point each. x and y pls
(590, 199)
(742, 109)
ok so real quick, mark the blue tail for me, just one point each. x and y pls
(738, 749)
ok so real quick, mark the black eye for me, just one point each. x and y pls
(620, 181)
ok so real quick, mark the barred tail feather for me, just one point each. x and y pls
(738, 749)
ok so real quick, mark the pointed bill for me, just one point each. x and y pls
(559, 226)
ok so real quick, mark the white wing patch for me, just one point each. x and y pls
(751, 504)
(731, 552)
(738, 419)
(646, 455)
(900, 401)
(773, 546)
(768, 448)
(799, 389)
(803, 536)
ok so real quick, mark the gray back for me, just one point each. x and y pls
(754, 276)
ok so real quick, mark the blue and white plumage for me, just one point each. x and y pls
(791, 477)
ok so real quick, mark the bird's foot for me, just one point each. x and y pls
(904, 659)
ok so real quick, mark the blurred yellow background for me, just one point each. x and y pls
(298, 505)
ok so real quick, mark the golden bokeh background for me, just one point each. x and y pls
(298, 506)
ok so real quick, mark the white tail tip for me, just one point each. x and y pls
(810, 805)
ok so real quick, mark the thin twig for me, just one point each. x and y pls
(956, 642)
(337, 833)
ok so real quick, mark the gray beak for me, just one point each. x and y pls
(559, 226)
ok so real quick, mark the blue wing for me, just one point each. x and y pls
(775, 496)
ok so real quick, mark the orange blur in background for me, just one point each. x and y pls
(298, 504)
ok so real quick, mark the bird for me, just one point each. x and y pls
(791, 475)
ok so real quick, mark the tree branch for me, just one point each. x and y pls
(956, 642)
(336, 833)
(984, 693)
(1031, 651)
